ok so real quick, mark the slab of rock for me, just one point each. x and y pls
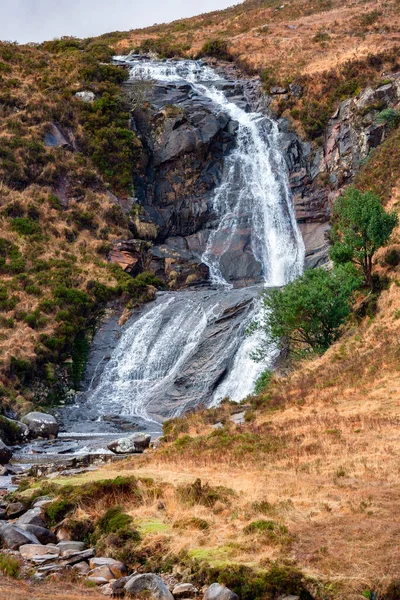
(219, 592)
(134, 444)
(5, 453)
(37, 551)
(14, 537)
(32, 517)
(77, 557)
(184, 590)
(41, 425)
(42, 501)
(98, 580)
(45, 536)
(103, 572)
(15, 509)
(70, 546)
(151, 585)
(85, 96)
(117, 568)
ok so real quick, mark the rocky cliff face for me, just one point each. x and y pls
(185, 145)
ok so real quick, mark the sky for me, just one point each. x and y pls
(38, 20)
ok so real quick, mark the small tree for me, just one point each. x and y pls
(362, 227)
(308, 313)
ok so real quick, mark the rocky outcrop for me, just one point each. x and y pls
(134, 444)
(41, 425)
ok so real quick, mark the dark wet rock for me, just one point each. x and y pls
(5, 453)
(134, 444)
(13, 432)
(32, 517)
(15, 510)
(149, 584)
(45, 536)
(3, 514)
(41, 425)
(13, 537)
(219, 592)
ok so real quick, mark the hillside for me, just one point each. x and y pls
(295, 490)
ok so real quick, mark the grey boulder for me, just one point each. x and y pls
(15, 509)
(32, 517)
(134, 444)
(43, 535)
(219, 592)
(148, 584)
(5, 453)
(85, 96)
(41, 425)
(13, 537)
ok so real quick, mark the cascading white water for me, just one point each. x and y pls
(168, 347)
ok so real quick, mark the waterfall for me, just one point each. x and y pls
(183, 351)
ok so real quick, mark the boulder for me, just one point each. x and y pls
(219, 592)
(118, 586)
(54, 138)
(3, 514)
(15, 509)
(98, 580)
(70, 546)
(82, 568)
(103, 572)
(43, 535)
(12, 432)
(85, 96)
(77, 557)
(152, 586)
(42, 501)
(184, 590)
(5, 453)
(32, 517)
(14, 537)
(37, 551)
(117, 568)
(133, 444)
(41, 425)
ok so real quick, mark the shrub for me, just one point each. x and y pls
(216, 49)
(192, 523)
(263, 381)
(25, 226)
(262, 526)
(389, 117)
(309, 312)
(392, 257)
(113, 520)
(58, 510)
(196, 493)
(362, 226)
(10, 565)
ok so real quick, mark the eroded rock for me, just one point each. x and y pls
(13, 537)
(219, 592)
(149, 584)
(41, 425)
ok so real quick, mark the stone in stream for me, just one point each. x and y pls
(5, 453)
(15, 510)
(32, 517)
(45, 536)
(149, 585)
(41, 425)
(134, 444)
(14, 537)
(219, 592)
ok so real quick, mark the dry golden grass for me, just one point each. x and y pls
(10, 589)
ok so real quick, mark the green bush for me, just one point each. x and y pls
(263, 381)
(216, 49)
(389, 117)
(10, 566)
(58, 510)
(113, 520)
(25, 226)
(262, 526)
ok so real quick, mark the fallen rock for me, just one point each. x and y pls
(3, 514)
(14, 537)
(219, 592)
(12, 432)
(5, 453)
(98, 580)
(85, 96)
(54, 138)
(118, 586)
(82, 568)
(103, 572)
(42, 501)
(136, 443)
(41, 425)
(37, 551)
(117, 568)
(15, 509)
(45, 536)
(77, 557)
(32, 517)
(153, 587)
(70, 546)
(184, 590)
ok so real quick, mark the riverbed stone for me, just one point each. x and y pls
(149, 584)
(219, 592)
(134, 444)
(5, 453)
(41, 425)
(13, 537)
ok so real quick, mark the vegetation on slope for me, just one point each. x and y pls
(59, 211)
